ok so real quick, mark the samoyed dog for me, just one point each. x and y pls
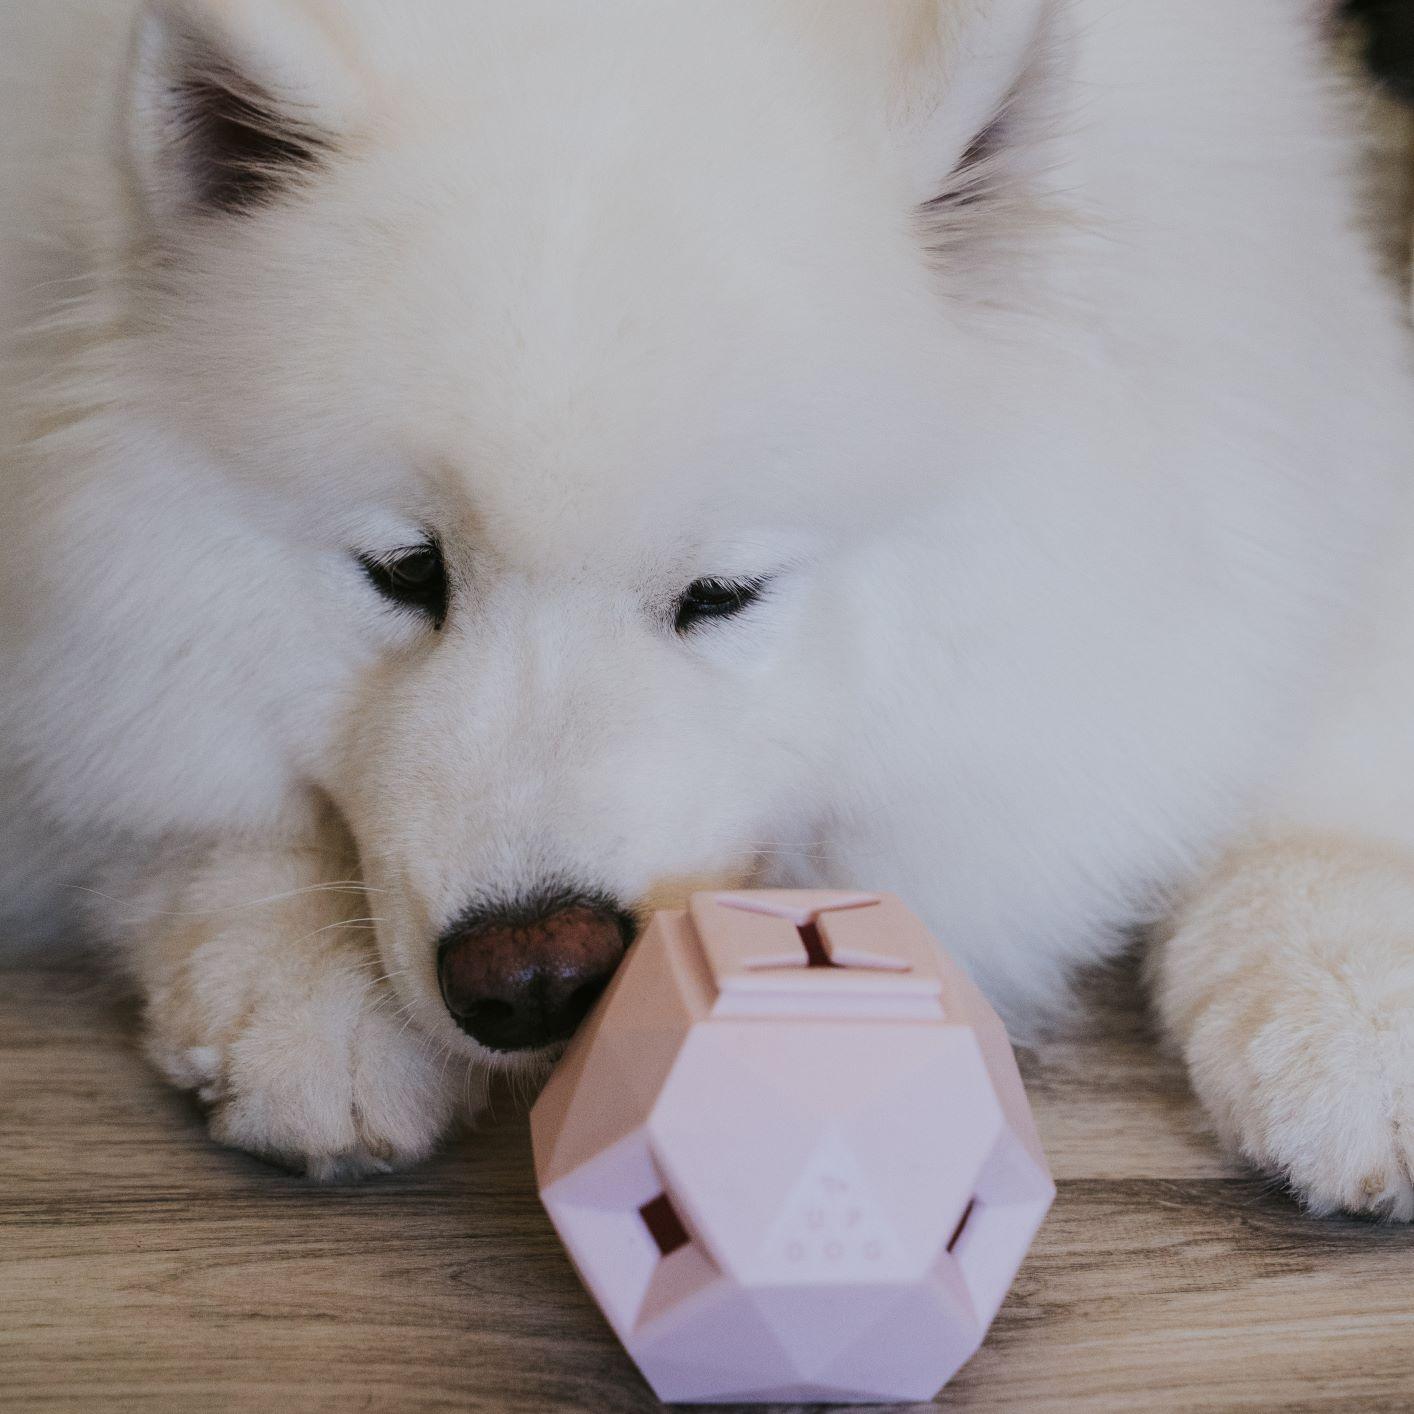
(475, 471)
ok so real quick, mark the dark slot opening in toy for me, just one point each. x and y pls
(814, 944)
(663, 1224)
(961, 1224)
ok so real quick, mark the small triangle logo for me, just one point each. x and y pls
(830, 1228)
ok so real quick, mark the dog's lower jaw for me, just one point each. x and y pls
(1288, 985)
(266, 997)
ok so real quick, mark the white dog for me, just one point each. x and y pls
(473, 470)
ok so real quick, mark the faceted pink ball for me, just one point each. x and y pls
(790, 1153)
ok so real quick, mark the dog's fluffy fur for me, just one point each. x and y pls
(1029, 348)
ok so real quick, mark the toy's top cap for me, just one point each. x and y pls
(805, 953)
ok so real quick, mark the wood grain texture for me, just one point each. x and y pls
(143, 1269)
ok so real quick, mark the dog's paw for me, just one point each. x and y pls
(1316, 1088)
(308, 1067)
(1295, 1008)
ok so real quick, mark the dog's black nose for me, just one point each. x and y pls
(524, 976)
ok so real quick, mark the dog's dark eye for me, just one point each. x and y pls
(414, 578)
(716, 599)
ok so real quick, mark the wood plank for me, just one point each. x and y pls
(143, 1269)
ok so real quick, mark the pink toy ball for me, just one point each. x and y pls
(790, 1154)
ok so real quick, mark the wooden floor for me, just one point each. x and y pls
(143, 1269)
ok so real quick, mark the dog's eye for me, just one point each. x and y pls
(415, 578)
(716, 599)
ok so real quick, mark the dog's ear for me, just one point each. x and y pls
(963, 66)
(235, 103)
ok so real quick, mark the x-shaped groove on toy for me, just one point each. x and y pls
(818, 944)
(785, 951)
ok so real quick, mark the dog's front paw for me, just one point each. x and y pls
(1292, 991)
(307, 1066)
(1312, 1086)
